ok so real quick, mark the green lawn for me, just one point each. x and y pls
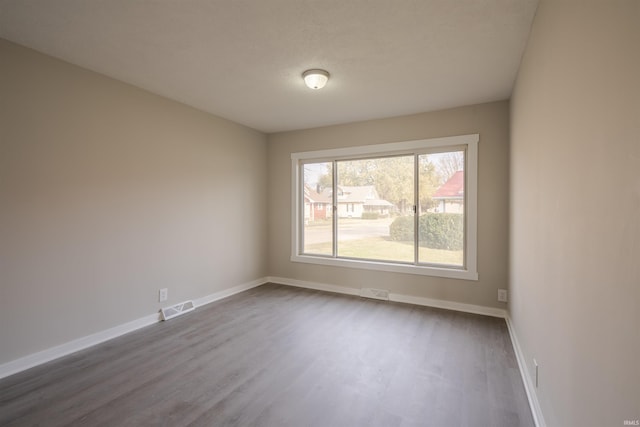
(380, 248)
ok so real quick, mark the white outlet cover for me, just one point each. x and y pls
(502, 295)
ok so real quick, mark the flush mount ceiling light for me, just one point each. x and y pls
(315, 79)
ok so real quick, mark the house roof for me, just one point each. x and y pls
(357, 194)
(453, 188)
(354, 194)
(315, 197)
(365, 194)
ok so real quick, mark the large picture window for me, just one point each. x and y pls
(406, 207)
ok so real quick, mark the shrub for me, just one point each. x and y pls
(401, 229)
(442, 231)
(437, 230)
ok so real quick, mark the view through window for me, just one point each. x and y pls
(407, 209)
(376, 207)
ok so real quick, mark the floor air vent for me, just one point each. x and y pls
(177, 310)
(382, 294)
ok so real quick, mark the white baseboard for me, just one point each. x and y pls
(67, 348)
(449, 305)
(44, 356)
(428, 302)
(314, 285)
(529, 384)
(56, 352)
(229, 291)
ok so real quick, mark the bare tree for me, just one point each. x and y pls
(449, 164)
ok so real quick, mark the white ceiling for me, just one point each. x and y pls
(243, 59)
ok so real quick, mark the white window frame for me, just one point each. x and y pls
(470, 142)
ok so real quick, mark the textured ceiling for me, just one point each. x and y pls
(243, 59)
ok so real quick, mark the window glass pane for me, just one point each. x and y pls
(441, 222)
(318, 212)
(373, 195)
(405, 207)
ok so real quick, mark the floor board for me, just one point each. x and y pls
(282, 356)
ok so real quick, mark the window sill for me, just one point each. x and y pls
(449, 273)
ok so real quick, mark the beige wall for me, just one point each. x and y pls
(489, 120)
(575, 210)
(108, 193)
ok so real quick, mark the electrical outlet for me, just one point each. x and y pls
(163, 294)
(502, 295)
(535, 364)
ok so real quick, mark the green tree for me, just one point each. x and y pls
(429, 182)
(326, 179)
(393, 178)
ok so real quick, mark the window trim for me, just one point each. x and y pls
(469, 272)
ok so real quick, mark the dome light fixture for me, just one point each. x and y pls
(315, 79)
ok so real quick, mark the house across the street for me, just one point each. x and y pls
(316, 206)
(450, 195)
(353, 201)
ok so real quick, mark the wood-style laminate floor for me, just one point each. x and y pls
(283, 356)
